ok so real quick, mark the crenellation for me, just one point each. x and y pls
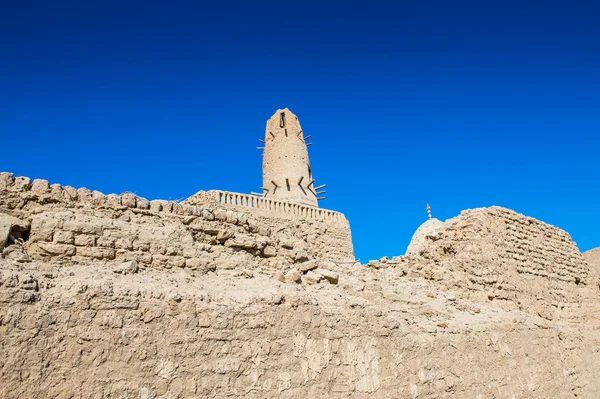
(6, 180)
(40, 186)
(21, 184)
(84, 195)
(128, 200)
(69, 193)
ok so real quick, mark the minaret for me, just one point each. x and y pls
(286, 169)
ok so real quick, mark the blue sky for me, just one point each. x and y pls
(455, 104)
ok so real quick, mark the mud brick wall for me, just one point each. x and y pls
(500, 255)
(79, 225)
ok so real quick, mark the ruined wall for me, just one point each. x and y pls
(593, 258)
(509, 258)
(69, 225)
(83, 331)
(468, 316)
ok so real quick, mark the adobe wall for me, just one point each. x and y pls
(593, 258)
(79, 225)
(461, 318)
(503, 256)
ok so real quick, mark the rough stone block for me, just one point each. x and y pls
(124, 243)
(96, 253)
(128, 199)
(69, 193)
(167, 207)
(22, 183)
(112, 200)
(187, 210)
(269, 251)
(40, 186)
(98, 198)
(63, 237)
(158, 247)
(82, 228)
(56, 191)
(6, 180)
(279, 276)
(176, 261)
(242, 218)
(299, 255)
(160, 260)
(328, 275)
(105, 242)
(84, 195)
(264, 231)
(141, 246)
(156, 205)
(193, 263)
(57, 249)
(85, 240)
(207, 214)
(145, 258)
(287, 243)
(174, 251)
(310, 265)
(220, 215)
(129, 267)
(293, 276)
(142, 203)
(41, 235)
(311, 278)
(231, 217)
(189, 252)
(245, 242)
(177, 208)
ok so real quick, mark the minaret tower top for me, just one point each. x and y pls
(287, 175)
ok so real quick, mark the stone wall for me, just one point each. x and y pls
(82, 331)
(79, 225)
(593, 258)
(493, 304)
(509, 258)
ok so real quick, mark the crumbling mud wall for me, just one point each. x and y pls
(499, 255)
(231, 297)
(70, 225)
(593, 258)
(84, 331)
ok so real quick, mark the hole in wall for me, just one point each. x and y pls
(18, 235)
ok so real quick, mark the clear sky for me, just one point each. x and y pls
(456, 104)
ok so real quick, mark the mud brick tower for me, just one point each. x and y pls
(287, 175)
